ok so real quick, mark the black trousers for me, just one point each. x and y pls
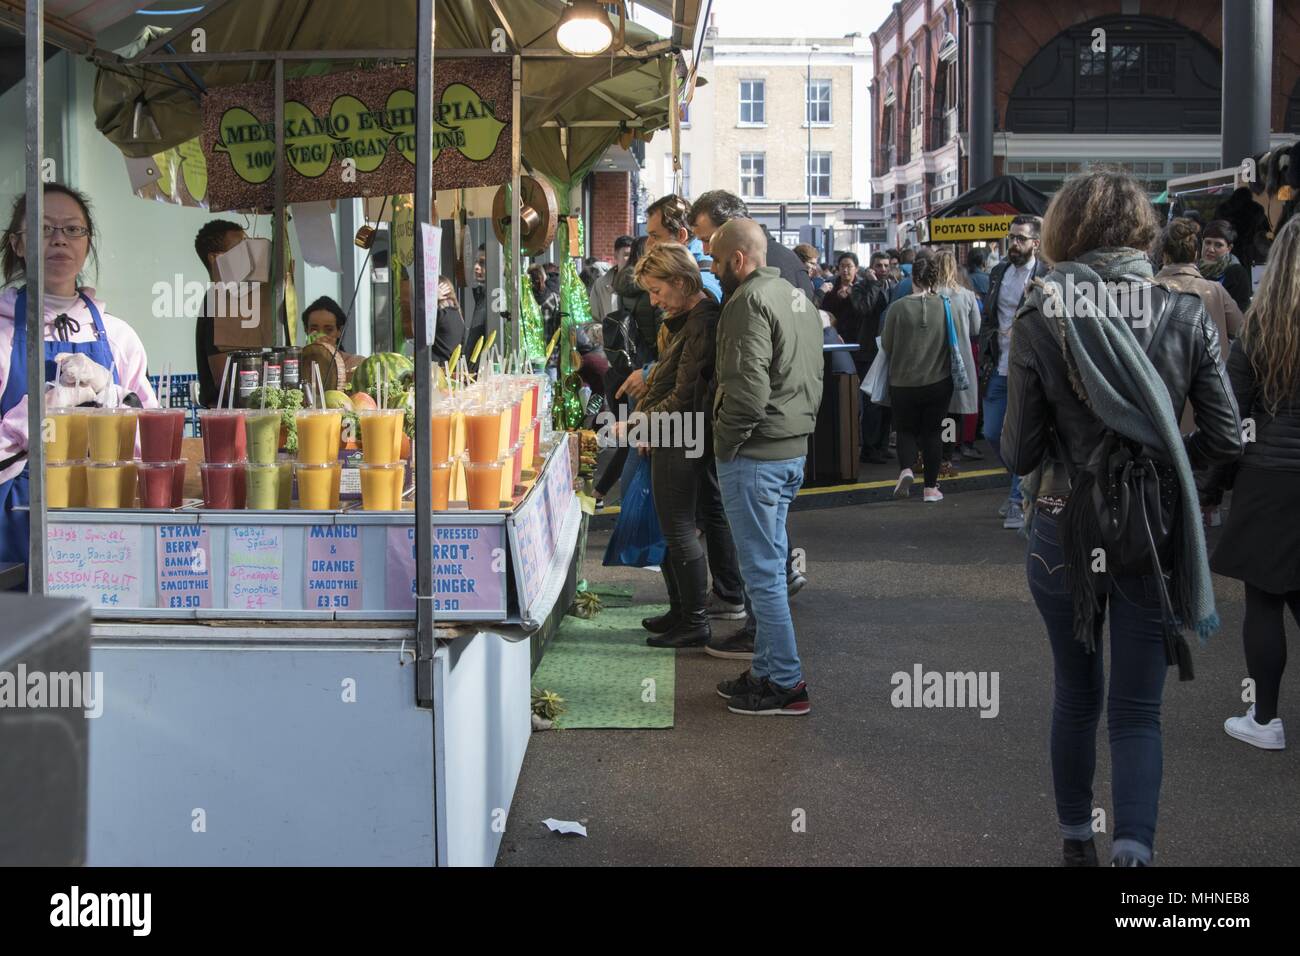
(1264, 635)
(674, 484)
(712, 520)
(918, 418)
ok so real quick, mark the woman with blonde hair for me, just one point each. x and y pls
(1261, 539)
(679, 386)
(953, 283)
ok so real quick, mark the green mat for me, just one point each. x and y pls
(613, 595)
(603, 670)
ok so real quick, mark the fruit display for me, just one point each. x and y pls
(398, 369)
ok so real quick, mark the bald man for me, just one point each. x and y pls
(769, 372)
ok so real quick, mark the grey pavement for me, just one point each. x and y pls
(892, 585)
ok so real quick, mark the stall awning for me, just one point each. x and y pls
(71, 24)
(1000, 196)
(601, 99)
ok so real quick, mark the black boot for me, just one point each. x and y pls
(1080, 853)
(665, 622)
(692, 628)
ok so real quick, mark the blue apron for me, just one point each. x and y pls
(15, 524)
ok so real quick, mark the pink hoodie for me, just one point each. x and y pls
(128, 353)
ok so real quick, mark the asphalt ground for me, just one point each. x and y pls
(858, 781)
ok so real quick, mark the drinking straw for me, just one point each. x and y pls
(319, 388)
(555, 339)
(478, 347)
(455, 356)
(492, 337)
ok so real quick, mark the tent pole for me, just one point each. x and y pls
(278, 220)
(423, 451)
(675, 125)
(514, 338)
(34, 275)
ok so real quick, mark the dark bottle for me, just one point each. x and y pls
(250, 374)
(271, 367)
(289, 370)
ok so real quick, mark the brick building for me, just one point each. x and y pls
(1148, 97)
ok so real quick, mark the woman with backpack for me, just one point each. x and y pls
(1261, 541)
(1096, 372)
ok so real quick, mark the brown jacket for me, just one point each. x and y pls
(1185, 277)
(686, 351)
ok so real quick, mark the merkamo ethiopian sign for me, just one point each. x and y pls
(353, 134)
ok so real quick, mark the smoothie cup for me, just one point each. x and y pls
(284, 493)
(58, 484)
(160, 434)
(106, 483)
(221, 487)
(381, 485)
(126, 424)
(381, 435)
(318, 485)
(484, 482)
(517, 453)
(130, 479)
(319, 431)
(224, 438)
(537, 441)
(442, 421)
(483, 434)
(77, 492)
(263, 482)
(68, 437)
(262, 427)
(178, 483)
(158, 484)
(442, 473)
(104, 437)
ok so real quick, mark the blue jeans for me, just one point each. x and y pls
(757, 495)
(1137, 681)
(995, 410)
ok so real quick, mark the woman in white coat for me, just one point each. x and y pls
(964, 406)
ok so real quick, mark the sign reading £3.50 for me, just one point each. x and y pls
(964, 229)
(353, 134)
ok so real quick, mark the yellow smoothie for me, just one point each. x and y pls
(104, 484)
(381, 486)
(58, 484)
(381, 435)
(318, 436)
(68, 437)
(318, 485)
(104, 435)
(126, 422)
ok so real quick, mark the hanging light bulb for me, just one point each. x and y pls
(584, 29)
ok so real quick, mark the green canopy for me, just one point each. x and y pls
(627, 93)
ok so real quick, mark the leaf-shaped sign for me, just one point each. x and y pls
(308, 140)
(363, 140)
(401, 110)
(249, 142)
(194, 169)
(162, 163)
(464, 109)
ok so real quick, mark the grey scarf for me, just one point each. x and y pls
(1112, 374)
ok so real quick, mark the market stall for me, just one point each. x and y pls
(983, 215)
(328, 608)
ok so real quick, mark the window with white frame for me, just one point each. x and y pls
(753, 110)
(818, 111)
(753, 173)
(819, 175)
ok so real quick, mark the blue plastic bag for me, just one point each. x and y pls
(637, 541)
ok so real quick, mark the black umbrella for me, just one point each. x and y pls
(1000, 196)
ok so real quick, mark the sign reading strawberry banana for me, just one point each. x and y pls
(353, 134)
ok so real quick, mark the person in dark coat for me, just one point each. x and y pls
(1219, 263)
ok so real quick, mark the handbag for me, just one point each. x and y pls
(875, 384)
(637, 541)
(960, 376)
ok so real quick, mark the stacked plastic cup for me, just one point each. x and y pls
(319, 470)
(264, 471)
(162, 470)
(111, 441)
(66, 444)
(225, 458)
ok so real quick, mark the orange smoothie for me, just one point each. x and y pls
(484, 482)
(381, 435)
(381, 486)
(442, 484)
(483, 431)
(318, 436)
(318, 485)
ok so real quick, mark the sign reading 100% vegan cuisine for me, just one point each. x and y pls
(353, 134)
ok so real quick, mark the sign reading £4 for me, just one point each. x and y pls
(353, 134)
(968, 228)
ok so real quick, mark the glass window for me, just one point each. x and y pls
(753, 167)
(1126, 68)
(950, 85)
(1159, 67)
(1092, 71)
(819, 102)
(916, 101)
(819, 175)
(752, 107)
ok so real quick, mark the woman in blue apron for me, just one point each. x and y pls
(73, 324)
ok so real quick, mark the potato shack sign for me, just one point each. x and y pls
(353, 134)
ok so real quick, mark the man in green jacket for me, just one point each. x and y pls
(769, 375)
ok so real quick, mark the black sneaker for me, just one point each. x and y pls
(737, 647)
(1079, 853)
(794, 584)
(769, 700)
(745, 683)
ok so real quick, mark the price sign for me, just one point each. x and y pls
(255, 568)
(333, 580)
(184, 566)
(98, 563)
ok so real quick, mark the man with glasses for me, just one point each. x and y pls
(1007, 284)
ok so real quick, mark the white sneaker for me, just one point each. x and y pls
(1264, 736)
(904, 486)
(1015, 519)
(932, 494)
(1002, 511)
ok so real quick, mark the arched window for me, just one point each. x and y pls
(1146, 75)
(915, 114)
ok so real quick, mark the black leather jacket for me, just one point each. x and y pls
(1276, 441)
(1046, 419)
(990, 348)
